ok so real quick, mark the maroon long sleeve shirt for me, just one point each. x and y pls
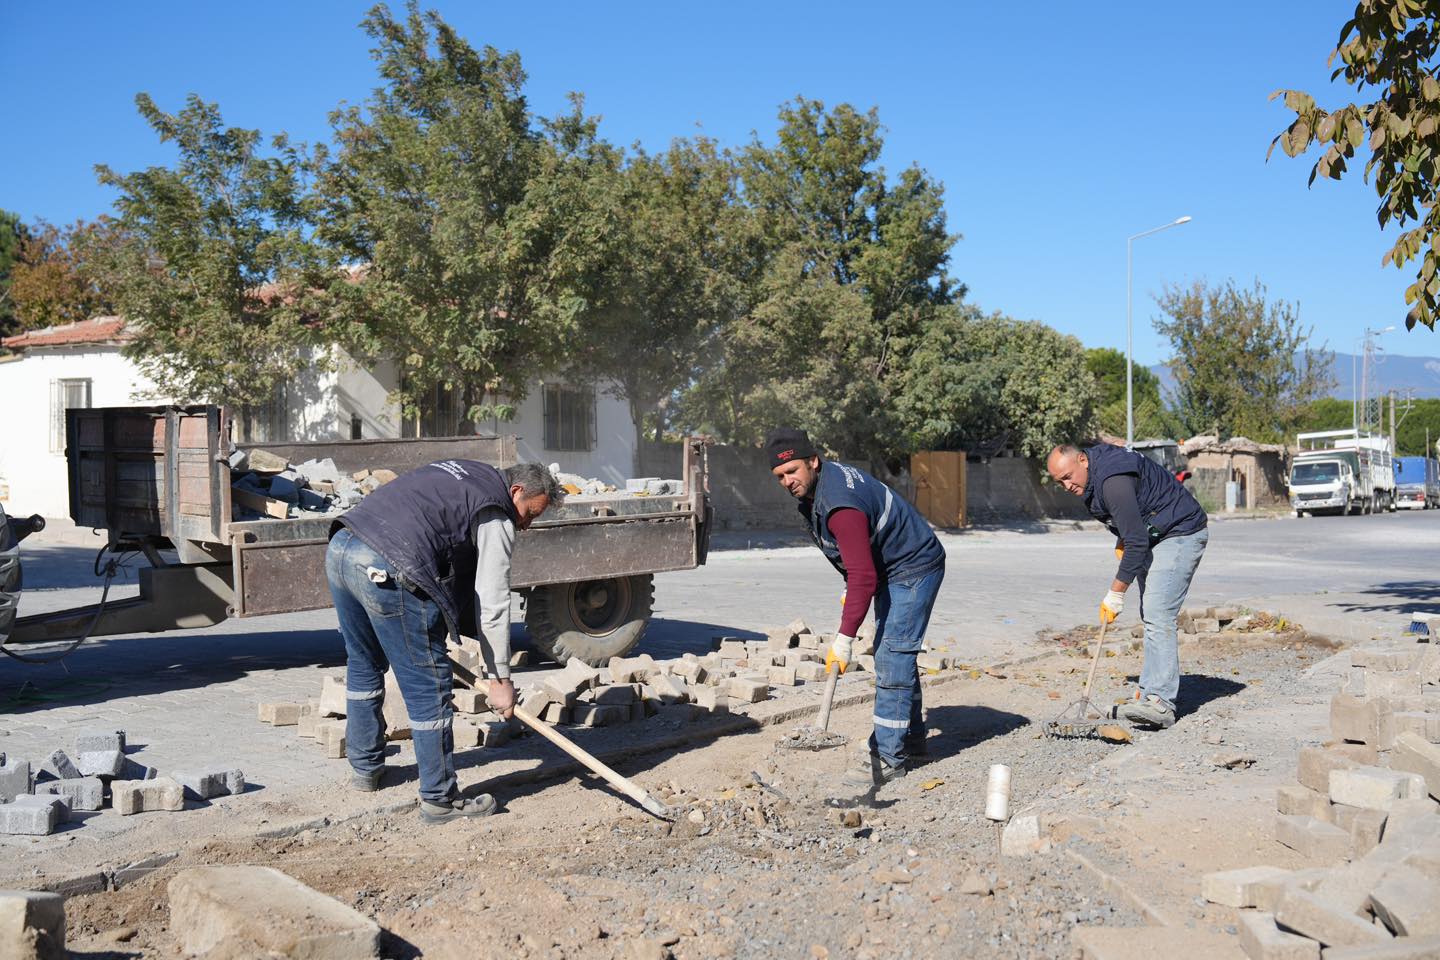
(852, 535)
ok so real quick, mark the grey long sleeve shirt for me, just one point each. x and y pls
(495, 541)
(1124, 506)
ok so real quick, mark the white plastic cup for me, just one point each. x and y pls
(997, 793)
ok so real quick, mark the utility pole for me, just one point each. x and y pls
(1392, 423)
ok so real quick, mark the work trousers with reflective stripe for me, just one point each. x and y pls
(389, 627)
(902, 612)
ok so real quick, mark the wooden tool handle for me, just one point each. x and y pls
(824, 722)
(1099, 645)
(595, 766)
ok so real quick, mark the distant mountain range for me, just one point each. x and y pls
(1394, 372)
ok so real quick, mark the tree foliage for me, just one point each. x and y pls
(12, 234)
(60, 275)
(1242, 364)
(211, 260)
(443, 188)
(1421, 421)
(1107, 366)
(1389, 47)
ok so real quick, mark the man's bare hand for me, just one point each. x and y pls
(501, 697)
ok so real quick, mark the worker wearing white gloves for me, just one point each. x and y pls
(1161, 533)
(886, 552)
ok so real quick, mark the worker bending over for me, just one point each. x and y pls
(886, 552)
(1161, 535)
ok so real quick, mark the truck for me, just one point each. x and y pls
(1341, 472)
(158, 481)
(1417, 483)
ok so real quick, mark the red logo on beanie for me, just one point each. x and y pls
(784, 454)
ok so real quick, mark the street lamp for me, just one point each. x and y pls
(1130, 328)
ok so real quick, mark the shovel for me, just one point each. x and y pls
(1081, 720)
(818, 737)
(651, 805)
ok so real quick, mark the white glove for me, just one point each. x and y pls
(840, 652)
(1111, 606)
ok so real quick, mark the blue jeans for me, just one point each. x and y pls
(1164, 584)
(902, 612)
(387, 626)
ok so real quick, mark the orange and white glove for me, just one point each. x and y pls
(1120, 552)
(840, 652)
(1111, 606)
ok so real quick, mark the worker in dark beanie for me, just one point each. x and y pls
(887, 553)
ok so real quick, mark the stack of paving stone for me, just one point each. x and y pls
(265, 485)
(1366, 807)
(34, 801)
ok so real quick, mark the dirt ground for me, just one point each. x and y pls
(758, 865)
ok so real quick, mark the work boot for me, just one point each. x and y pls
(481, 806)
(367, 782)
(1148, 712)
(871, 771)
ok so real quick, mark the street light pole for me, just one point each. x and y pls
(1130, 327)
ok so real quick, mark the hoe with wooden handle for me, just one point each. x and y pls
(651, 805)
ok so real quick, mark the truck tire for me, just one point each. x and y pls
(593, 620)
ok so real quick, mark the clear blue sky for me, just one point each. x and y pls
(1058, 129)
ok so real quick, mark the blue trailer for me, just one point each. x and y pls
(1417, 483)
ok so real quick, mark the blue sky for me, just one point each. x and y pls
(1058, 129)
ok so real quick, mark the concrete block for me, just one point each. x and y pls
(1374, 788)
(1362, 754)
(669, 689)
(932, 662)
(1308, 915)
(203, 785)
(781, 676)
(330, 734)
(100, 763)
(213, 906)
(747, 689)
(1407, 902)
(555, 713)
(60, 766)
(280, 714)
(732, 649)
(1312, 838)
(1408, 948)
(691, 670)
(1315, 764)
(595, 715)
(16, 778)
(1236, 888)
(1347, 888)
(83, 793)
(97, 740)
(144, 796)
(332, 696)
(1418, 722)
(135, 770)
(1261, 939)
(33, 816)
(1205, 625)
(392, 710)
(1145, 943)
(1022, 836)
(1366, 830)
(464, 734)
(1411, 817)
(494, 733)
(1347, 717)
(1267, 893)
(811, 641)
(32, 925)
(533, 700)
(470, 701)
(1405, 683)
(810, 672)
(1416, 755)
(780, 639)
(307, 724)
(619, 695)
(712, 699)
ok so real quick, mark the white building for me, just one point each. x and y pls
(579, 426)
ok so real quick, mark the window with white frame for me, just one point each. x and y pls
(266, 422)
(72, 394)
(569, 417)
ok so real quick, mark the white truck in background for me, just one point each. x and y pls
(1341, 472)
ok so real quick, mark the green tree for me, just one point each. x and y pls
(1241, 363)
(1389, 47)
(847, 267)
(1107, 366)
(663, 270)
(59, 277)
(212, 263)
(974, 381)
(12, 234)
(457, 211)
(1417, 420)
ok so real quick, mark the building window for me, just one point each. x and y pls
(569, 417)
(357, 427)
(65, 395)
(266, 422)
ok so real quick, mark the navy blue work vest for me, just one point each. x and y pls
(423, 522)
(903, 544)
(1169, 510)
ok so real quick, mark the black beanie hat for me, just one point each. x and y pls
(787, 444)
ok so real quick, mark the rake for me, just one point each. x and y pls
(1080, 720)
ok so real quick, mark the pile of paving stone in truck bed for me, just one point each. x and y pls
(34, 802)
(265, 486)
